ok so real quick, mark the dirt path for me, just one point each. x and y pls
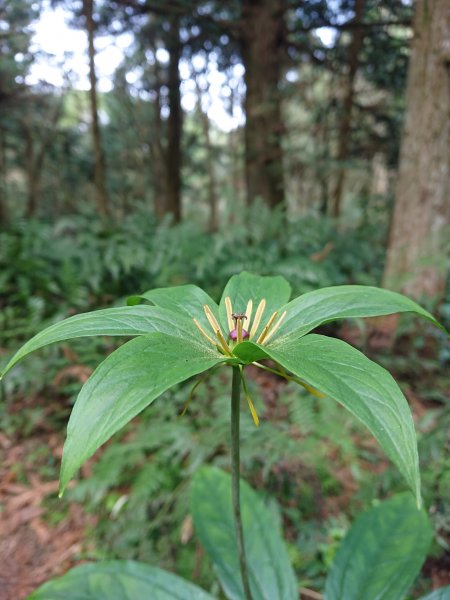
(32, 549)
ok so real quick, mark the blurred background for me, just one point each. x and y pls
(148, 143)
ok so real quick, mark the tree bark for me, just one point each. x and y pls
(175, 124)
(213, 223)
(32, 176)
(35, 154)
(4, 213)
(34, 162)
(103, 207)
(263, 36)
(346, 117)
(415, 261)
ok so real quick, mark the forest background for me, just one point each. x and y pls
(327, 163)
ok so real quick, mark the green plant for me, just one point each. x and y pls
(85, 266)
(182, 334)
(379, 557)
(119, 580)
(367, 564)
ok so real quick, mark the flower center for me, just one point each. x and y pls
(235, 321)
(238, 333)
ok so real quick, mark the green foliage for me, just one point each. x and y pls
(131, 377)
(379, 557)
(135, 374)
(382, 553)
(270, 572)
(245, 286)
(139, 485)
(123, 321)
(363, 387)
(118, 580)
(183, 301)
(122, 386)
(87, 267)
(319, 307)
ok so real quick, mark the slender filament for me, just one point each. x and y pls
(275, 327)
(203, 332)
(265, 331)
(258, 316)
(211, 318)
(249, 400)
(223, 342)
(248, 312)
(229, 313)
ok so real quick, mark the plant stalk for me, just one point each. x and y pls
(235, 473)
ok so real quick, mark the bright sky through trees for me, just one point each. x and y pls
(64, 53)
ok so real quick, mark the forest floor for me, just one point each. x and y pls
(39, 540)
(34, 545)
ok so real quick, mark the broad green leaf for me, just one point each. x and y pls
(270, 572)
(123, 385)
(118, 580)
(246, 286)
(122, 321)
(363, 387)
(187, 300)
(440, 594)
(382, 553)
(342, 302)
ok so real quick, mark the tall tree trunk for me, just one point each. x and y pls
(175, 123)
(213, 223)
(33, 178)
(346, 117)
(37, 143)
(102, 199)
(4, 213)
(236, 164)
(415, 263)
(35, 162)
(263, 35)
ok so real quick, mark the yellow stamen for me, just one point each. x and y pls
(253, 411)
(257, 321)
(223, 342)
(211, 318)
(275, 327)
(203, 332)
(248, 312)
(229, 313)
(249, 401)
(265, 331)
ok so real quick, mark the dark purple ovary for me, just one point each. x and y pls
(234, 334)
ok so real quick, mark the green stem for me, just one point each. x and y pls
(235, 471)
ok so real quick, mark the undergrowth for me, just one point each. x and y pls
(50, 269)
(139, 487)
